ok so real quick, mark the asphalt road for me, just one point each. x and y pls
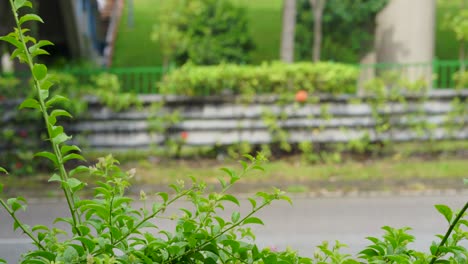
(302, 226)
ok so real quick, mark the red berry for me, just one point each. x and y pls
(23, 133)
(301, 96)
(184, 135)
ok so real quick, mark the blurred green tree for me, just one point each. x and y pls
(348, 29)
(204, 32)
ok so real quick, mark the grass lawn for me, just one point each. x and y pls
(389, 174)
(134, 47)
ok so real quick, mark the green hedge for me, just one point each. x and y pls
(322, 77)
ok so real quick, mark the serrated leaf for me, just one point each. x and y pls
(30, 17)
(253, 220)
(39, 71)
(30, 103)
(445, 211)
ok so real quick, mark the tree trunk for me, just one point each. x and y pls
(288, 31)
(317, 10)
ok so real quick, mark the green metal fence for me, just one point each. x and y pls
(139, 80)
(144, 80)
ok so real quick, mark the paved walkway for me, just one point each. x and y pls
(301, 226)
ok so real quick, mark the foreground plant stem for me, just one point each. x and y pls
(144, 220)
(63, 172)
(21, 226)
(200, 247)
(449, 231)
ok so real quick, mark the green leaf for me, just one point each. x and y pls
(90, 245)
(253, 220)
(39, 71)
(44, 94)
(73, 156)
(164, 196)
(17, 203)
(66, 149)
(235, 217)
(60, 138)
(30, 17)
(2, 170)
(39, 45)
(22, 3)
(43, 254)
(40, 227)
(253, 202)
(30, 103)
(19, 53)
(79, 169)
(231, 198)
(56, 113)
(60, 112)
(13, 41)
(56, 99)
(465, 181)
(445, 211)
(74, 184)
(48, 155)
(55, 177)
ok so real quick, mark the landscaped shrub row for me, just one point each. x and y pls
(322, 77)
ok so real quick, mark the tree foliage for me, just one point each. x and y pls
(204, 32)
(348, 29)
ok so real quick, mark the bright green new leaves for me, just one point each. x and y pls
(2, 170)
(445, 211)
(39, 71)
(17, 4)
(30, 17)
(30, 103)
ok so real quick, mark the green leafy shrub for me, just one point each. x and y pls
(461, 79)
(204, 32)
(275, 78)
